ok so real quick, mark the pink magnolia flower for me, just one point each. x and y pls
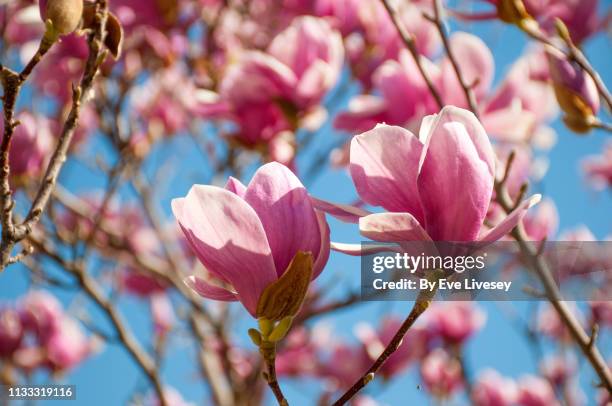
(11, 331)
(601, 312)
(22, 23)
(558, 369)
(542, 222)
(492, 389)
(599, 168)
(581, 17)
(246, 236)
(549, 323)
(298, 356)
(346, 363)
(514, 112)
(314, 53)
(575, 89)
(162, 313)
(441, 374)
(31, 146)
(455, 321)
(436, 187)
(375, 40)
(535, 391)
(413, 346)
(303, 62)
(67, 345)
(40, 312)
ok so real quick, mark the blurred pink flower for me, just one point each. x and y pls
(441, 374)
(549, 323)
(535, 391)
(374, 341)
(314, 53)
(31, 147)
(40, 312)
(67, 345)
(492, 389)
(298, 356)
(558, 369)
(542, 222)
(246, 237)
(455, 322)
(162, 313)
(581, 17)
(601, 312)
(11, 331)
(598, 168)
(576, 92)
(302, 64)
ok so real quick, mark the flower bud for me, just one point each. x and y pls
(575, 91)
(64, 15)
(512, 11)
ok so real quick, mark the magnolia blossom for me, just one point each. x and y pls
(435, 187)
(558, 370)
(599, 168)
(535, 391)
(579, 16)
(492, 389)
(37, 333)
(248, 236)
(31, 146)
(575, 90)
(441, 374)
(514, 111)
(11, 331)
(301, 64)
(374, 341)
(542, 222)
(455, 322)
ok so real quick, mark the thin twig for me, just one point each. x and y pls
(410, 44)
(125, 336)
(422, 303)
(467, 88)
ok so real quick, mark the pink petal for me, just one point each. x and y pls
(285, 210)
(229, 240)
(205, 289)
(343, 212)
(235, 186)
(455, 183)
(475, 63)
(384, 165)
(511, 220)
(358, 250)
(392, 227)
(321, 259)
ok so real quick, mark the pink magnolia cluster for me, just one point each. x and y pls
(36, 332)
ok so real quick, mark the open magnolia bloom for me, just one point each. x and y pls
(435, 187)
(265, 241)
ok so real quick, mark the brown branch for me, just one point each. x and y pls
(11, 233)
(125, 336)
(542, 270)
(269, 356)
(470, 97)
(422, 303)
(410, 44)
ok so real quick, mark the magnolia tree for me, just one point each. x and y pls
(182, 163)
